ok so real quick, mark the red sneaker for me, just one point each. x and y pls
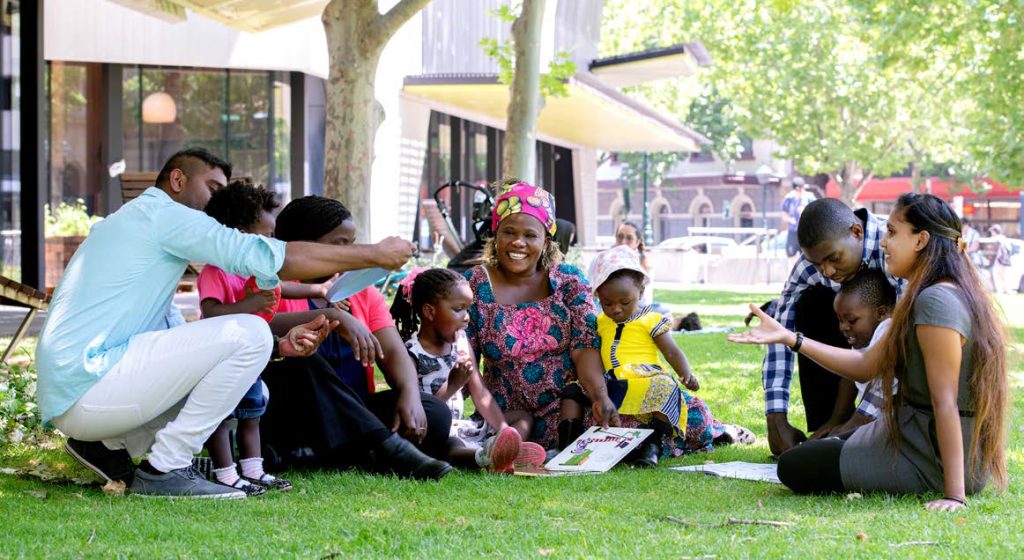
(501, 449)
(530, 454)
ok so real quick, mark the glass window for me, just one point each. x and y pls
(182, 108)
(281, 179)
(248, 124)
(10, 134)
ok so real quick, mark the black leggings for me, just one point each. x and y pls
(813, 467)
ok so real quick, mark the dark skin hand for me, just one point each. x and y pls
(410, 421)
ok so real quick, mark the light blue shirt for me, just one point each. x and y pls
(121, 283)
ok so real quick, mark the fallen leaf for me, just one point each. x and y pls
(546, 551)
(92, 537)
(862, 536)
(960, 521)
(709, 462)
(8, 470)
(854, 496)
(41, 494)
(760, 504)
(113, 488)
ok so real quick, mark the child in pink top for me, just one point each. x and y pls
(247, 207)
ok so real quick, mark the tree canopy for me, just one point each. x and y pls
(853, 89)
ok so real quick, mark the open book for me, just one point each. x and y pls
(354, 281)
(598, 449)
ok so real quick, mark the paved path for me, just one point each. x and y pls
(11, 316)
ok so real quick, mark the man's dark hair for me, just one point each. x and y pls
(186, 160)
(310, 218)
(825, 219)
(872, 287)
(239, 204)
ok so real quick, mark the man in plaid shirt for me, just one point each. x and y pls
(836, 242)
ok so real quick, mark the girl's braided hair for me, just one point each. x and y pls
(430, 286)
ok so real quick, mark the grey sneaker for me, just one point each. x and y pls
(186, 482)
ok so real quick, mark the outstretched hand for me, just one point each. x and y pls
(768, 332)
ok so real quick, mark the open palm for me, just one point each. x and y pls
(769, 331)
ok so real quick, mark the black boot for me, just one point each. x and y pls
(568, 431)
(402, 458)
(647, 454)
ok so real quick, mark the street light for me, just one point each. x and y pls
(764, 176)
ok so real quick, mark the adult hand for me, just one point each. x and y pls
(944, 504)
(825, 430)
(409, 417)
(605, 413)
(365, 347)
(781, 435)
(768, 332)
(259, 301)
(393, 252)
(303, 340)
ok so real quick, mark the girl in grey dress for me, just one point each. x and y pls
(944, 430)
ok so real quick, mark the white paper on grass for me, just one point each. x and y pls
(354, 281)
(762, 472)
(598, 449)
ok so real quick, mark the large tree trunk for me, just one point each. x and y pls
(356, 35)
(525, 100)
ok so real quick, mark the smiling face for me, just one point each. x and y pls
(901, 245)
(838, 259)
(619, 297)
(519, 243)
(628, 236)
(450, 314)
(857, 319)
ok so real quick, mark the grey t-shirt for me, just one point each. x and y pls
(939, 305)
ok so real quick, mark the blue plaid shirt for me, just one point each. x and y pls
(777, 370)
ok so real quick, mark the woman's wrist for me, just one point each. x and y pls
(959, 500)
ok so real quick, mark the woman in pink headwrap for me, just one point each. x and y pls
(533, 320)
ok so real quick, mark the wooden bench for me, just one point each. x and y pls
(27, 296)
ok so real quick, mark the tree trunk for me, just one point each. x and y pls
(525, 101)
(849, 186)
(356, 35)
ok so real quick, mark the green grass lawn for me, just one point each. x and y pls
(621, 514)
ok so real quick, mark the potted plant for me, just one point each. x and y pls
(66, 228)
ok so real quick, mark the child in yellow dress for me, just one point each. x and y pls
(631, 338)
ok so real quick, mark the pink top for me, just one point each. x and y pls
(214, 283)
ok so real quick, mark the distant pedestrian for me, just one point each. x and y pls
(792, 206)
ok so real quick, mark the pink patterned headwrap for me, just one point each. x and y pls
(524, 198)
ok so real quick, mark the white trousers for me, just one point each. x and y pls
(172, 389)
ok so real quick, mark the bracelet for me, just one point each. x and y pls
(275, 352)
(961, 501)
(799, 342)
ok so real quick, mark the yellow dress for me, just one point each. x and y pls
(637, 383)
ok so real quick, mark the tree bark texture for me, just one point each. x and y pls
(852, 181)
(525, 100)
(356, 34)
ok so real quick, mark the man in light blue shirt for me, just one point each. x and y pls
(119, 373)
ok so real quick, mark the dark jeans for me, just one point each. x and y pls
(310, 407)
(818, 386)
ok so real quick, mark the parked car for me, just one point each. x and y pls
(985, 258)
(700, 243)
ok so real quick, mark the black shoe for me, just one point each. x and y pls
(403, 459)
(646, 455)
(109, 464)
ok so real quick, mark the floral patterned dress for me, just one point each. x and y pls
(526, 347)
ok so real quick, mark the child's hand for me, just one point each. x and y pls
(342, 305)
(303, 340)
(257, 301)
(321, 288)
(691, 382)
(461, 372)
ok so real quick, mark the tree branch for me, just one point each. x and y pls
(387, 24)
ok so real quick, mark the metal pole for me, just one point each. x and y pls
(764, 205)
(648, 230)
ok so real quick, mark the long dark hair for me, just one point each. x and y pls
(430, 286)
(942, 260)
